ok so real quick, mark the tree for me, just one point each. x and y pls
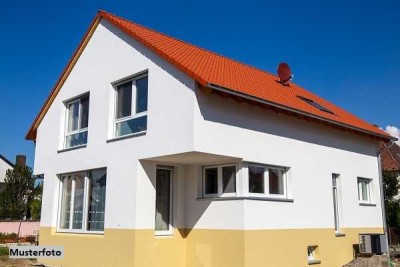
(20, 190)
(391, 188)
(36, 204)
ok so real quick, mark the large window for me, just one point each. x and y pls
(163, 201)
(219, 180)
(77, 122)
(364, 190)
(82, 204)
(267, 181)
(131, 106)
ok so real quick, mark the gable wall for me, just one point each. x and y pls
(110, 56)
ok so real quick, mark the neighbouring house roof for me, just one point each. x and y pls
(225, 76)
(6, 161)
(390, 157)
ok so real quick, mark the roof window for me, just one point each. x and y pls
(315, 104)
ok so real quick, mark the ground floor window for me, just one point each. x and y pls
(266, 180)
(163, 201)
(82, 205)
(219, 180)
(364, 190)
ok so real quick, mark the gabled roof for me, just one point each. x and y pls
(6, 161)
(225, 75)
(390, 157)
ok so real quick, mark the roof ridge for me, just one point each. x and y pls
(190, 44)
(215, 53)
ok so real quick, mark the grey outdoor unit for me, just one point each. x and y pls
(372, 243)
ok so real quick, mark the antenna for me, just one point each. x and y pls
(284, 73)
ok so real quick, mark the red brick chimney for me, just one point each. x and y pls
(20, 160)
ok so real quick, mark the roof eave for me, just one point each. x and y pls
(31, 134)
(299, 112)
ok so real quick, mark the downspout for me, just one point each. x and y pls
(385, 230)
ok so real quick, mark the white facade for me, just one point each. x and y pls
(188, 129)
(4, 166)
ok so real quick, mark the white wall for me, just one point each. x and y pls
(4, 166)
(110, 56)
(312, 152)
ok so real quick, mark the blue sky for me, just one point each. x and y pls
(345, 51)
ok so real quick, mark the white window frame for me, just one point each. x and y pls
(336, 202)
(79, 130)
(266, 181)
(359, 187)
(220, 180)
(133, 114)
(85, 205)
(170, 231)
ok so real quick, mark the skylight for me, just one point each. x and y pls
(315, 104)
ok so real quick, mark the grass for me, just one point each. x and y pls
(6, 262)
(3, 251)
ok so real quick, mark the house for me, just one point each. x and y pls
(5, 165)
(156, 152)
(390, 158)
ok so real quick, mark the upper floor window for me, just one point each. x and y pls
(267, 181)
(77, 122)
(82, 202)
(131, 106)
(364, 190)
(219, 180)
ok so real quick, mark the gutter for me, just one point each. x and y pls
(269, 103)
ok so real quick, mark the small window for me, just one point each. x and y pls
(131, 106)
(267, 180)
(335, 195)
(82, 204)
(312, 255)
(219, 180)
(311, 252)
(77, 122)
(315, 104)
(364, 190)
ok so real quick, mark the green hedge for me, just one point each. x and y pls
(12, 236)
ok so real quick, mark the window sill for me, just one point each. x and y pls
(367, 204)
(164, 234)
(340, 234)
(71, 148)
(246, 198)
(126, 136)
(81, 234)
(312, 262)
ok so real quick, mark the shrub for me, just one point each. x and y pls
(31, 239)
(3, 251)
(7, 237)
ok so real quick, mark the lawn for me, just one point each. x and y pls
(6, 262)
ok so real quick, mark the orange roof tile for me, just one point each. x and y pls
(218, 72)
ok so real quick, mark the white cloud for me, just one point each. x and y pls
(393, 131)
